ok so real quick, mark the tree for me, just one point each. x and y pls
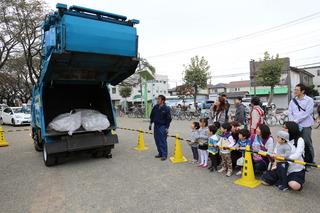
(9, 32)
(196, 75)
(125, 91)
(184, 91)
(310, 91)
(20, 47)
(269, 73)
(30, 15)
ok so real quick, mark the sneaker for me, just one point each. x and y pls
(283, 188)
(200, 165)
(229, 173)
(204, 166)
(239, 173)
(221, 170)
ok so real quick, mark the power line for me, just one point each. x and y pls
(305, 48)
(254, 34)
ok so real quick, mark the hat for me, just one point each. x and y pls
(284, 135)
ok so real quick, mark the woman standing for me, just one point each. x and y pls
(219, 111)
(256, 115)
(263, 141)
(296, 172)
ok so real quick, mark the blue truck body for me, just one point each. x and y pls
(84, 50)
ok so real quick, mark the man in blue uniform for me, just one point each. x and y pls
(161, 117)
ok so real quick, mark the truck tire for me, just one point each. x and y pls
(37, 140)
(48, 159)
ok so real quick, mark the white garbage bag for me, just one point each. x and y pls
(67, 122)
(92, 120)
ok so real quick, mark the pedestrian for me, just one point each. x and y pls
(213, 149)
(226, 141)
(240, 116)
(244, 140)
(161, 117)
(202, 140)
(195, 126)
(224, 96)
(300, 111)
(256, 115)
(261, 141)
(219, 111)
(282, 149)
(296, 172)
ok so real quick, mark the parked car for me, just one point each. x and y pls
(2, 107)
(16, 116)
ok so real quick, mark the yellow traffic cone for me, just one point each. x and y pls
(248, 179)
(3, 141)
(178, 155)
(140, 146)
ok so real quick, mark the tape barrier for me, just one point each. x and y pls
(16, 130)
(259, 152)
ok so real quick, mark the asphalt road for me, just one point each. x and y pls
(135, 181)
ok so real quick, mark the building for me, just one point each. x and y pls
(158, 86)
(314, 70)
(217, 88)
(283, 92)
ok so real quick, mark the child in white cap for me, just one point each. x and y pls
(282, 149)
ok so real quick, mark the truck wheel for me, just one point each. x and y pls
(37, 140)
(48, 159)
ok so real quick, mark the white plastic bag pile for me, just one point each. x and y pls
(90, 120)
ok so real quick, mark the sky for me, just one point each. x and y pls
(172, 31)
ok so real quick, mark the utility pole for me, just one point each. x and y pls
(252, 76)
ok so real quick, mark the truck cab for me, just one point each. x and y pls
(84, 51)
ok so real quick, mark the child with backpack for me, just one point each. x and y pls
(213, 148)
(202, 139)
(195, 126)
(226, 141)
(244, 140)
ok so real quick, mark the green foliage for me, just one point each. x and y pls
(310, 91)
(270, 71)
(125, 91)
(196, 73)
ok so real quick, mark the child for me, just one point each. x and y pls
(193, 138)
(202, 140)
(226, 141)
(282, 149)
(213, 149)
(244, 140)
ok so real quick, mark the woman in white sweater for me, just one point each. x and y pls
(296, 172)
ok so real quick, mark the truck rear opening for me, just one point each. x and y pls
(62, 98)
(84, 51)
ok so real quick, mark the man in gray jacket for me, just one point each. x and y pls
(240, 115)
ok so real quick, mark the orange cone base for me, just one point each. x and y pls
(246, 183)
(181, 160)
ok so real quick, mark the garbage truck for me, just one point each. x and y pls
(84, 51)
